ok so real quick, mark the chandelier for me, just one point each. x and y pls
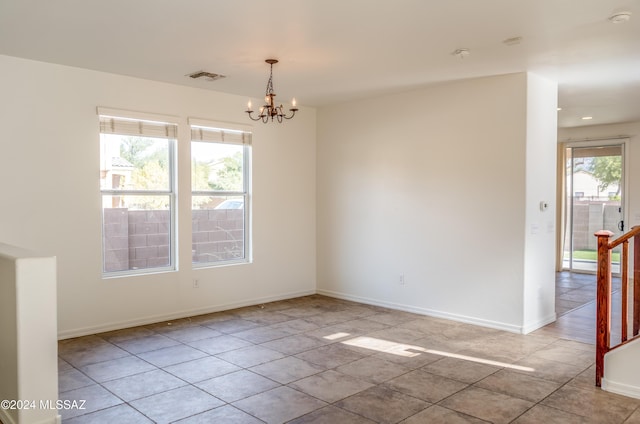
(269, 109)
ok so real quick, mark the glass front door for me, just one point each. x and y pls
(593, 195)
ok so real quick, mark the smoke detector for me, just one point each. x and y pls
(209, 76)
(620, 17)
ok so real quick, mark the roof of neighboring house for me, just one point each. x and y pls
(119, 162)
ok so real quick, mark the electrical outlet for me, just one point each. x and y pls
(196, 284)
(401, 279)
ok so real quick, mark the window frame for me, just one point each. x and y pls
(245, 137)
(171, 192)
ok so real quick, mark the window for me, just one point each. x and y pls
(137, 185)
(220, 160)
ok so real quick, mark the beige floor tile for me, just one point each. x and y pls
(416, 359)
(374, 370)
(331, 386)
(295, 326)
(291, 345)
(171, 355)
(93, 350)
(146, 343)
(287, 369)
(395, 334)
(567, 355)
(265, 318)
(429, 325)
(71, 379)
(193, 333)
(438, 415)
(519, 385)
(484, 404)
(164, 326)
(262, 334)
(543, 414)
(550, 370)
(121, 414)
(143, 385)
(382, 405)
(463, 370)
(423, 385)
(634, 418)
(126, 334)
(176, 404)
(331, 415)
(90, 399)
(222, 415)
(330, 356)
(250, 356)
(116, 368)
(301, 311)
(220, 344)
(592, 403)
(279, 405)
(237, 385)
(201, 369)
(63, 365)
(232, 326)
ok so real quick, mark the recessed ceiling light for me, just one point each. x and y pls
(620, 17)
(559, 109)
(586, 118)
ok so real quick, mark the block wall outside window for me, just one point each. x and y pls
(220, 181)
(137, 184)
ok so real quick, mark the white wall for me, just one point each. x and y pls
(49, 165)
(432, 184)
(29, 348)
(540, 236)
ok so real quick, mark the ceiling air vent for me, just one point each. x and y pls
(209, 76)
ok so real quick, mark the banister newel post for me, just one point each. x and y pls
(603, 296)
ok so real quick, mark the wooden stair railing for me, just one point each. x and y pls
(603, 294)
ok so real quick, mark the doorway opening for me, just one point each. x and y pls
(593, 196)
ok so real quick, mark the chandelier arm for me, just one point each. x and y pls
(249, 112)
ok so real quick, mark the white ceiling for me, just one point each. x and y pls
(338, 50)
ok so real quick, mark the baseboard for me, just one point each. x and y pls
(423, 311)
(528, 328)
(85, 331)
(5, 418)
(621, 389)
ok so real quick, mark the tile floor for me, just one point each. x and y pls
(576, 308)
(574, 290)
(321, 360)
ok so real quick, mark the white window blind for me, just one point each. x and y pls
(214, 132)
(217, 135)
(122, 126)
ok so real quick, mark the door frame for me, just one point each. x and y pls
(561, 186)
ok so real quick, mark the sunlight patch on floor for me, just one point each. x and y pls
(411, 351)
